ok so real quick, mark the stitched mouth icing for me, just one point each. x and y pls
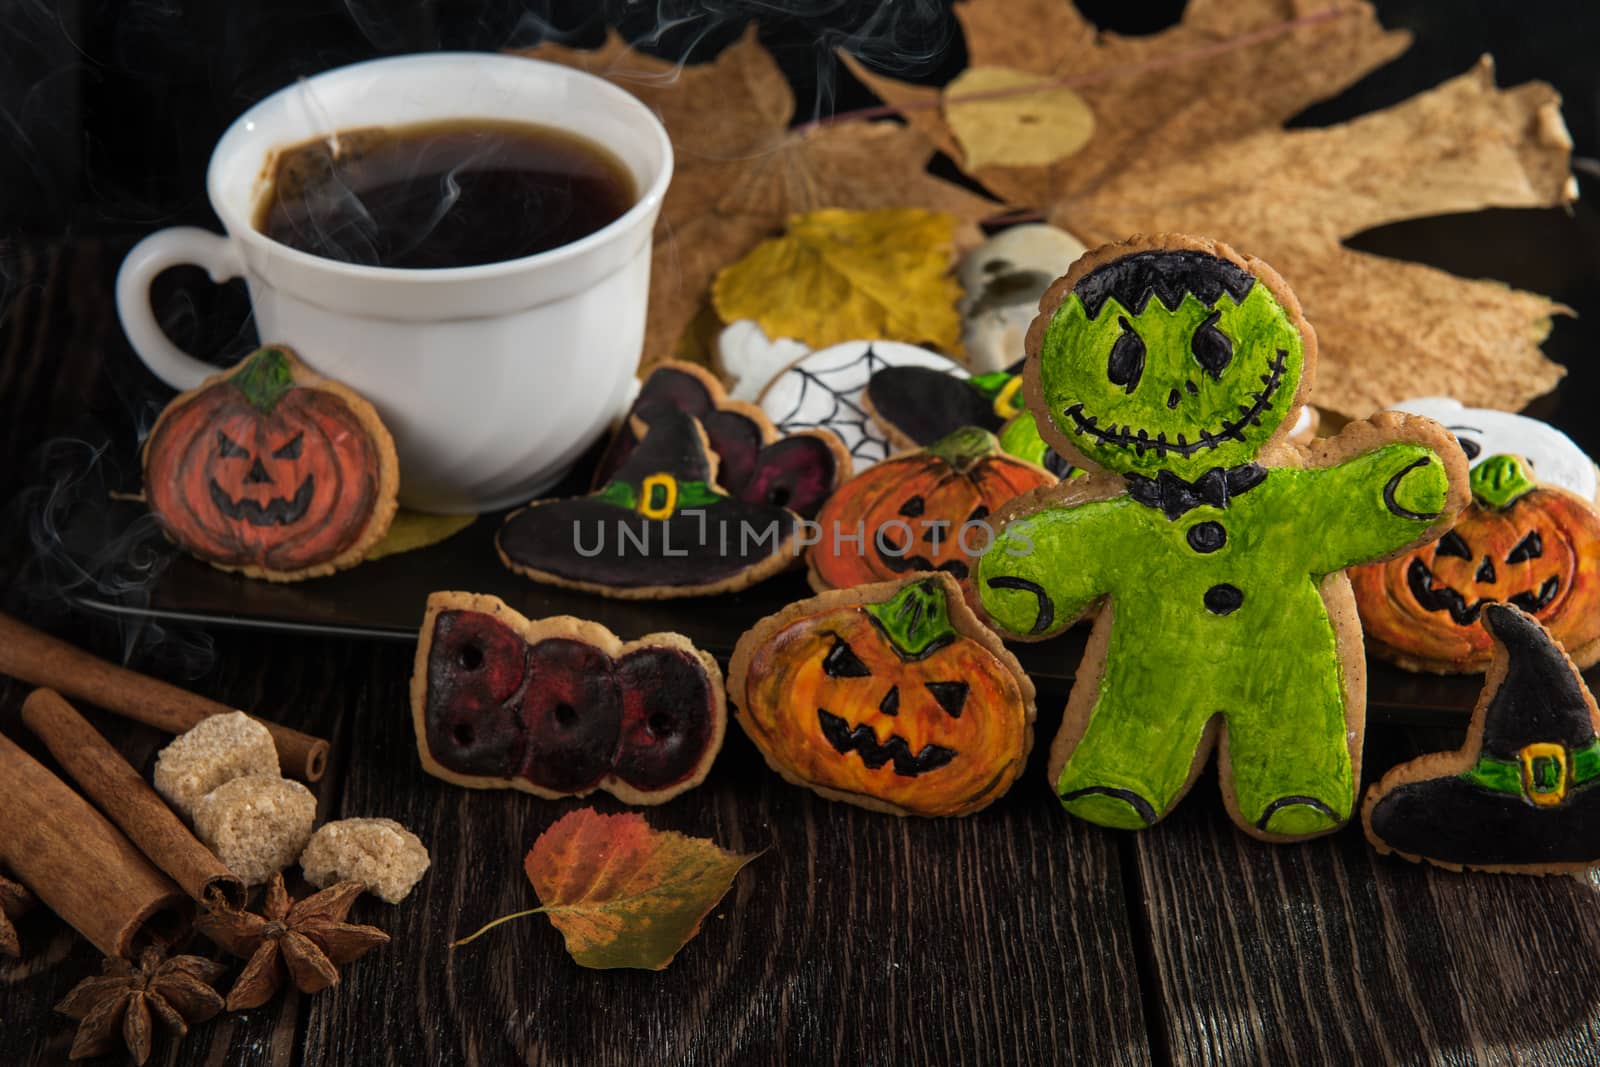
(1420, 580)
(1231, 429)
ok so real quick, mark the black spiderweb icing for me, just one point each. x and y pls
(843, 410)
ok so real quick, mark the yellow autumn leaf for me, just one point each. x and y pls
(841, 275)
(412, 530)
(1007, 118)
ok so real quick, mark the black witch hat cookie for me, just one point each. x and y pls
(1523, 794)
(754, 462)
(661, 527)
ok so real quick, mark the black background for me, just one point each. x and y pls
(110, 107)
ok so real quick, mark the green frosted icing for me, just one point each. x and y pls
(1499, 480)
(916, 618)
(1270, 666)
(264, 378)
(1174, 399)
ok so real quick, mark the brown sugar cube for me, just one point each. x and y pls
(257, 825)
(219, 749)
(379, 853)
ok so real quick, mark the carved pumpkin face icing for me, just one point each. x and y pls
(921, 511)
(890, 696)
(272, 470)
(1536, 547)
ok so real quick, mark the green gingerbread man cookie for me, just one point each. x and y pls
(1210, 551)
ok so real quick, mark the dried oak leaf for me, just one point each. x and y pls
(1187, 136)
(307, 940)
(14, 901)
(120, 1007)
(741, 170)
(846, 275)
(620, 893)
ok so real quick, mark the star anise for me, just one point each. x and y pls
(122, 1004)
(14, 900)
(308, 940)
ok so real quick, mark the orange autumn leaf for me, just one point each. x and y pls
(1188, 136)
(622, 894)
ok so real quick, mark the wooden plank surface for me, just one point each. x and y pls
(856, 938)
(1328, 953)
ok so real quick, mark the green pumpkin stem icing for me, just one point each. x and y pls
(265, 378)
(965, 447)
(1498, 481)
(916, 619)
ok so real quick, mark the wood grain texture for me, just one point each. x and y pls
(856, 938)
(1326, 952)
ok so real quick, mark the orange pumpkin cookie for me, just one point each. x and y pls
(889, 696)
(272, 470)
(1518, 542)
(921, 511)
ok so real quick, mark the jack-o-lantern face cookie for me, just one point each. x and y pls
(660, 527)
(1518, 542)
(561, 707)
(1523, 794)
(272, 470)
(890, 696)
(920, 511)
(754, 463)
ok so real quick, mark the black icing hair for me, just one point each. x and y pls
(1168, 276)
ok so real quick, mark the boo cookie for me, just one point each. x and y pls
(1212, 554)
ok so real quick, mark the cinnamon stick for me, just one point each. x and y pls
(79, 865)
(123, 794)
(42, 660)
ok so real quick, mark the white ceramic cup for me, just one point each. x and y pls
(492, 378)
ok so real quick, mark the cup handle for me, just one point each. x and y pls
(171, 247)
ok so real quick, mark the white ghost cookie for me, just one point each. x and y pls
(823, 390)
(1483, 432)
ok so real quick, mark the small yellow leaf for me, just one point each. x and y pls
(1000, 121)
(841, 275)
(418, 529)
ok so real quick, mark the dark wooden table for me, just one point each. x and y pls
(1016, 935)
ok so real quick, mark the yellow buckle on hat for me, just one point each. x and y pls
(1005, 402)
(1535, 763)
(662, 486)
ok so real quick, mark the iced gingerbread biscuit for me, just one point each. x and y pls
(561, 707)
(1523, 794)
(754, 463)
(272, 470)
(890, 696)
(824, 390)
(1208, 551)
(662, 526)
(919, 511)
(916, 406)
(1518, 542)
